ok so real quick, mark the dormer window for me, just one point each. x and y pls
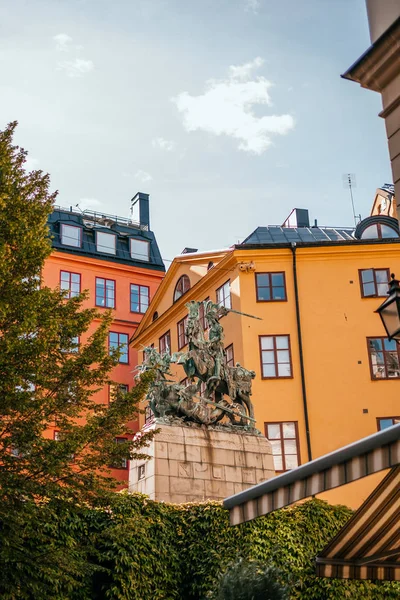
(106, 242)
(378, 231)
(71, 235)
(140, 249)
(182, 286)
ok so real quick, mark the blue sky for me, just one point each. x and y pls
(228, 112)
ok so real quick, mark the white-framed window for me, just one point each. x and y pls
(106, 242)
(140, 249)
(71, 235)
(224, 295)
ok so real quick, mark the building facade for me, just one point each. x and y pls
(118, 261)
(325, 374)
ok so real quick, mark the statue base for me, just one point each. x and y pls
(193, 464)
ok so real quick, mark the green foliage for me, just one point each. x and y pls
(151, 550)
(46, 380)
(251, 580)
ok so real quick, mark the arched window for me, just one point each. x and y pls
(155, 316)
(378, 231)
(182, 286)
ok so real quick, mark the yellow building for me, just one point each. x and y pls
(325, 374)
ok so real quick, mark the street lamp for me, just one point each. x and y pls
(389, 311)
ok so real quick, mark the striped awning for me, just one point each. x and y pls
(368, 546)
(370, 455)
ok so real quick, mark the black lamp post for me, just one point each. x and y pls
(389, 311)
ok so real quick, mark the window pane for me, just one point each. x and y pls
(277, 279)
(282, 341)
(367, 275)
(71, 236)
(284, 370)
(390, 344)
(383, 289)
(144, 298)
(378, 371)
(278, 464)
(278, 293)
(65, 276)
(381, 276)
(370, 233)
(64, 285)
(385, 423)
(283, 356)
(75, 278)
(269, 371)
(264, 293)
(268, 357)
(267, 343)
(290, 447)
(105, 242)
(375, 344)
(263, 279)
(392, 363)
(291, 461)
(113, 337)
(289, 430)
(274, 431)
(276, 446)
(140, 249)
(369, 289)
(388, 232)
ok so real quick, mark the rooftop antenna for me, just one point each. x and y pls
(349, 180)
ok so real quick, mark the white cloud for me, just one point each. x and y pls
(252, 6)
(63, 42)
(143, 176)
(225, 108)
(76, 68)
(91, 203)
(167, 145)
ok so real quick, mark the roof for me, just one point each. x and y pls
(273, 234)
(364, 457)
(368, 546)
(92, 223)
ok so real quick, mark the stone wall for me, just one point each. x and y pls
(190, 464)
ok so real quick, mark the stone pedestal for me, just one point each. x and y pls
(190, 464)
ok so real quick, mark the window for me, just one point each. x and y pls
(229, 359)
(379, 231)
(385, 422)
(284, 442)
(141, 472)
(383, 358)
(71, 283)
(71, 235)
(374, 282)
(202, 314)
(116, 388)
(75, 341)
(224, 295)
(182, 286)
(270, 287)
(106, 242)
(57, 436)
(165, 343)
(210, 265)
(140, 249)
(155, 316)
(140, 296)
(182, 339)
(275, 356)
(148, 415)
(124, 461)
(119, 341)
(105, 292)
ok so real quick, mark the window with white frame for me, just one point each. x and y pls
(140, 249)
(71, 235)
(106, 242)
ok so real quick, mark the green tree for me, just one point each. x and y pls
(251, 580)
(45, 378)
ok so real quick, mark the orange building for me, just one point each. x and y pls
(325, 373)
(118, 261)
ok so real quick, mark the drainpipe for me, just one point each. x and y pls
(302, 373)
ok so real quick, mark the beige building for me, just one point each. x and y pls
(378, 69)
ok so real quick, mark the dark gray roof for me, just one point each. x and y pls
(123, 228)
(286, 235)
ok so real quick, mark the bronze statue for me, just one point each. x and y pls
(216, 393)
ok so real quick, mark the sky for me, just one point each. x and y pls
(229, 113)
